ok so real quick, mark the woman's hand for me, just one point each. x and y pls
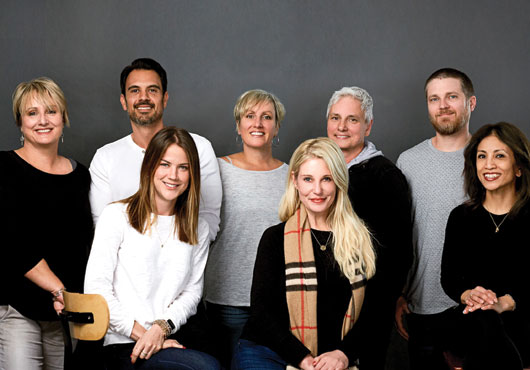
(307, 363)
(334, 360)
(148, 344)
(172, 343)
(58, 301)
(477, 298)
(43, 276)
(504, 303)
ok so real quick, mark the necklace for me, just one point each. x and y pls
(323, 247)
(494, 223)
(160, 239)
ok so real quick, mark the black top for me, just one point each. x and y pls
(43, 216)
(474, 254)
(269, 321)
(381, 198)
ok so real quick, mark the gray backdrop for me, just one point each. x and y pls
(300, 50)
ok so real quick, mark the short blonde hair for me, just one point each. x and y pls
(46, 91)
(253, 97)
(351, 239)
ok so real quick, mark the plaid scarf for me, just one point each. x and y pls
(301, 283)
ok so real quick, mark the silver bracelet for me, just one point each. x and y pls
(57, 293)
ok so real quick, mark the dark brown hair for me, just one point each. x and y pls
(149, 65)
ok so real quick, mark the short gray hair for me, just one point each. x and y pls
(367, 103)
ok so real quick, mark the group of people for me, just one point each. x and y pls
(304, 265)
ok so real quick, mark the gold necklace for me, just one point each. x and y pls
(160, 239)
(323, 247)
(494, 223)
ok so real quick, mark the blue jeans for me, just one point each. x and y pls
(252, 356)
(118, 356)
(228, 323)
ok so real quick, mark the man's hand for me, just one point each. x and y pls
(402, 309)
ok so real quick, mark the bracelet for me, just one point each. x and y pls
(57, 293)
(164, 326)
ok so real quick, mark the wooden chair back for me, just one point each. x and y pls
(88, 315)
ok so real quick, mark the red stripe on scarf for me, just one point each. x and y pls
(295, 231)
(303, 327)
(301, 274)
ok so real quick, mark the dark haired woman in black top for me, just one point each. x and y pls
(484, 264)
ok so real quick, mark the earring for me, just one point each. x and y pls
(277, 141)
(22, 139)
(238, 139)
(62, 137)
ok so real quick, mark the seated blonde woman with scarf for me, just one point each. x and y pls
(310, 271)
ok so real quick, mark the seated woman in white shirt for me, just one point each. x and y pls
(148, 260)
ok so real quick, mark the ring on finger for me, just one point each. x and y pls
(144, 353)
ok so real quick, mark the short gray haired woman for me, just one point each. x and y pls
(253, 182)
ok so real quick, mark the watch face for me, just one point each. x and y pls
(171, 324)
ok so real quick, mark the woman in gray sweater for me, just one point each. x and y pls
(253, 184)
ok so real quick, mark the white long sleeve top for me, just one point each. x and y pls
(115, 173)
(141, 280)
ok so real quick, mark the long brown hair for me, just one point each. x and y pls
(142, 204)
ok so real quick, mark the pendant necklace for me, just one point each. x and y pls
(323, 247)
(160, 239)
(494, 223)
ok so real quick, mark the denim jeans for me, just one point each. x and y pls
(28, 344)
(118, 357)
(228, 323)
(252, 356)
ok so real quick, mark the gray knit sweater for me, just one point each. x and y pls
(250, 205)
(437, 186)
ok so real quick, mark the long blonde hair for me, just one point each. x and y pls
(351, 239)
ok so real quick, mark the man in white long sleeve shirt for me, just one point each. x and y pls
(115, 168)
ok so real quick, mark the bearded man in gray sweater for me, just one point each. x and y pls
(433, 169)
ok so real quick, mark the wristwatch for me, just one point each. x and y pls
(171, 325)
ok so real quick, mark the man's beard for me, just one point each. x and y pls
(141, 120)
(450, 126)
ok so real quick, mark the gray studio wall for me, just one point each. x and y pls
(300, 50)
